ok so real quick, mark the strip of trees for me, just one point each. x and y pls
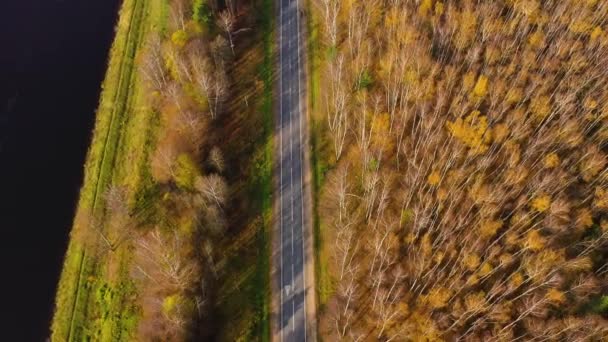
(469, 194)
(175, 257)
(173, 234)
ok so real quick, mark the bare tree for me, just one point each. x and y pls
(179, 13)
(213, 188)
(226, 21)
(175, 94)
(163, 162)
(159, 258)
(152, 66)
(220, 90)
(232, 5)
(331, 10)
(216, 159)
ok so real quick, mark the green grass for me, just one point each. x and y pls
(73, 287)
(261, 183)
(79, 314)
(243, 305)
(318, 162)
(263, 273)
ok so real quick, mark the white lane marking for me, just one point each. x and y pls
(293, 299)
(292, 200)
(301, 161)
(298, 70)
(293, 313)
(291, 112)
(281, 162)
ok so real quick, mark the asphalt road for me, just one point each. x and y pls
(291, 154)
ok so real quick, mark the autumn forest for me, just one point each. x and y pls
(450, 158)
(464, 190)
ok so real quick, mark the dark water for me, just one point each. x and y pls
(52, 61)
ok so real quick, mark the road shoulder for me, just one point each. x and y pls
(305, 100)
(275, 259)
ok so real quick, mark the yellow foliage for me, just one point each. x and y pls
(579, 264)
(539, 265)
(512, 239)
(516, 280)
(540, 106)
(537, 39)
(481, 87)
(516, 175)
(486, 268)
(380, 128)
(425, 245)
(580, 26)
(527, 7)
(172, 67)
(471, 261)
(475, 301)
(521, 220)
(468, 80)
(179, 38)
(438, 257)
(514, 95)
(467, 27)
(555, 296)
(596, 33)
(427, 88)
(392, 18)
(421, 327)
(551, 160)
(604, 225)
(472, 131)
(541, 203)
(439, 8)
(534, 241)
(438, 297)
(505, 258)
(488, 228)
(578, 62)
(552, 257)
(424, 7)
(492, 55)
(601, 198)
(584, 219)
(590, 103)
(434, 178)
(473, 279)
(479, 192)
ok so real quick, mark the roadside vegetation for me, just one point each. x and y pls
(461, 168)
(170, 208)
(76, 286)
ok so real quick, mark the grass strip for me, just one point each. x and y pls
(74, 290)
(319, 165)
(263, 235)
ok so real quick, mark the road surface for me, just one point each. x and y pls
(292, 195)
